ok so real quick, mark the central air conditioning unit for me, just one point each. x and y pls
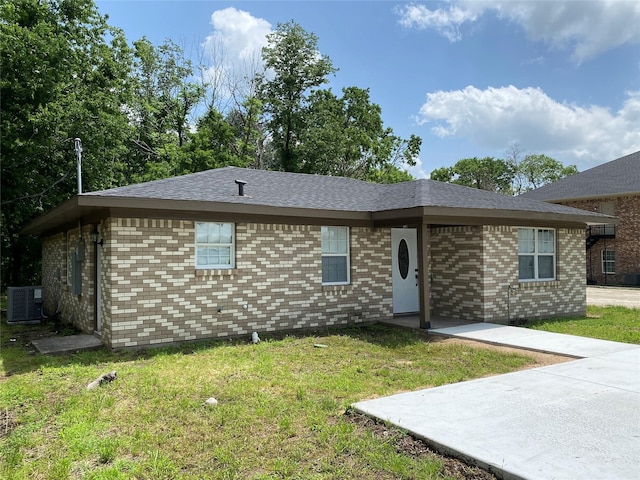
(24, 305)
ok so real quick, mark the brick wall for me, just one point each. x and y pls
(153, 294)
(473, 267)
(626, 243)
(456, 272)
(56, 278)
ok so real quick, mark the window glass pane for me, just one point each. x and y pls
(225, 233)
(334, 269)
(525, 267)
(201, 233)
(546, 241)
(608, 261)
(325, 239)
(545, 267)
(201, 257)
(335, 240)
(526, 240)
(214, 245)
(214, 233)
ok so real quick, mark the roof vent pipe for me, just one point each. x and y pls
(241, 184)
(78, 145)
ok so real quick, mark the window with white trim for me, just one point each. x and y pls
(335, 255)
(608, 261)
(536, 254)
(215, 245)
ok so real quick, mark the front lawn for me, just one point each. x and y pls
(280, 412)
(619, 324)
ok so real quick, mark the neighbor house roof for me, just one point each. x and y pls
(617, 177)
(301, 198)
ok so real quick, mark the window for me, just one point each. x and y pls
(536, 254)
(68, 257)
(215, 245)
(335, 255)
(608, 261)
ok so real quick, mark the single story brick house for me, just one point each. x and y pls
(613, 188)
(229, 251)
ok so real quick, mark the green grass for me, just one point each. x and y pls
(281, 411)
(619, 324)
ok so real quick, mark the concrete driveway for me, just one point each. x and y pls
(579, 419)
(622, 296)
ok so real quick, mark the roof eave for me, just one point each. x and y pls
(588, 197)
(485, 216)
(92, 208)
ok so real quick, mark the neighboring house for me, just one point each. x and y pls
(613, 188)
(230, 251)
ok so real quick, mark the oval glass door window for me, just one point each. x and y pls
(403, 259)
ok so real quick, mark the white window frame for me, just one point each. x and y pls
(346, 254)
(231, 246)
(609, 261)
(536, 254)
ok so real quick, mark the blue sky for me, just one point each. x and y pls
(471, 78)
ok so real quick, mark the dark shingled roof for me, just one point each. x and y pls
(264, 187)
(617, 177)
(306, 197)
(295, 190)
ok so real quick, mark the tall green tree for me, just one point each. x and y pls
(345, 136)
(488, 173)
(162, 108)
(538, 170)
(64, 75)
(294, 68)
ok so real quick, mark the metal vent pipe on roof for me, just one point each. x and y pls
(78, 147)
(241, 184)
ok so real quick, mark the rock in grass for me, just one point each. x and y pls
(321, 345)
(104, 378)
(211, 401)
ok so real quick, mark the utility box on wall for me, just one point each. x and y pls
(24, 304)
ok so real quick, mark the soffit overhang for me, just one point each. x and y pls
(91, 209)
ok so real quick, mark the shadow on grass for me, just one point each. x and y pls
(18, 355)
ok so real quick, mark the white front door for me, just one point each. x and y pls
(404, 264)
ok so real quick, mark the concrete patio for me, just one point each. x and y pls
(578, 419)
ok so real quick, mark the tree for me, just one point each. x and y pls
(346, 137)
(487, 173)
(64, 75)
(539, 170)
(511, 176)
(162, 108)
(216, 144)
(297, 67)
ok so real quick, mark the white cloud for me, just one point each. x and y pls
(233, 51)
(495, 117)
(586, 27)
(240, 34)
(446, 21)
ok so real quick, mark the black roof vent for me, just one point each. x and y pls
(241, 184)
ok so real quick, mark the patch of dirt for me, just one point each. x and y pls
(541, 359)
(7, 422)
(416, 448)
